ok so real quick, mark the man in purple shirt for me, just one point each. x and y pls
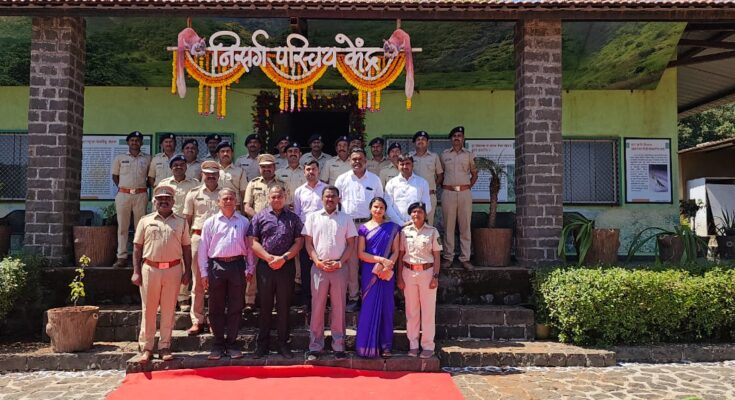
(275, 233)
(223, 252)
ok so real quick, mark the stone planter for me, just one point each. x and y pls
(99, 243)
(670, 248)
(726, 247)
(72, 328)
(492, 246)
(4, 240)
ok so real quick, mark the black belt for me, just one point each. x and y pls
(228, 259)
(361, 220)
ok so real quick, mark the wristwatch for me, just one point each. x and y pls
(285, 256)
(436, 275)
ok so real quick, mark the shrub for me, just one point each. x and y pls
(13, 278)
(632, 306)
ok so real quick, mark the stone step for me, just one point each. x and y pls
(453, 321)
(103, 355)
(190, 360)
(486, 353)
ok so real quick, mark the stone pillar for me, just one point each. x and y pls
(539, 164)
(55, 120)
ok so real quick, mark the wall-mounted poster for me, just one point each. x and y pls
(501, 151)
(97, 154)
(648, 171)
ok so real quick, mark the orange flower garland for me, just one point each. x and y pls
(374, 86)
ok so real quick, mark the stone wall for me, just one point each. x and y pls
(539, 162)
(55, 120)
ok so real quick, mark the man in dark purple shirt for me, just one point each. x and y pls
(275, 233)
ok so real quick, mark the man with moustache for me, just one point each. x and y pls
(230, 175)
(356, 141)
(357, 187)
(190, 149)
(293, 174)
(391, 171)
(316, 145)
(404, 190)
(226, 262)
(308, 199)
(281, 158)
(428, 166)
(379, 161)
(249, 162)
(460, 174)
(330, 242)
(159, 169)
(212, 142)
(201, 203)
(276, 238)
(338, 164)
(161, 243)
(129, 173)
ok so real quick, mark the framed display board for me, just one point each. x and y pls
(648, 176)
(98, 152)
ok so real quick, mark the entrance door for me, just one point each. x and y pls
(301, 125)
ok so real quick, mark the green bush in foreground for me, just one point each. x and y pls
(632, 306)
(13, 278)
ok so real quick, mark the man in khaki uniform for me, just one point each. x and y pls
(180, 182)
(427, 165)
(255, 200)
(356, 141)
(161, 243)
(201, 203)
(391, 171)
(293, 174)
(379, 161)
(316, 145)
(230, 175)
(460, 174)
(159, 169)
(249, 162)
(212, 142)
(190, 148)
(338, 164)
(281, 158)
(129, 175)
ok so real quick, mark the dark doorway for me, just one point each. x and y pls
(300, 125)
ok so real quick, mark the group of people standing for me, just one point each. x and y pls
(346, 229)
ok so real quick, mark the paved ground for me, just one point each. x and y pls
(629, 381)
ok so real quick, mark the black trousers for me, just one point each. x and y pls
(226, 301)
(306, 263)
(274, 285)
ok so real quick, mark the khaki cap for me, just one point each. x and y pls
(163, 191)
(210, 167)
(266, 159)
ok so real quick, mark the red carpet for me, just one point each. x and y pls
(292, 382)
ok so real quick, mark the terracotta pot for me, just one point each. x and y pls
(492, 246)
(726, 247)
(72, 328)
(543, 331)
(99, 243)
(604, 248)
(4, 240)
(670, 248)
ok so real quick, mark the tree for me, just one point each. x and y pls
(715, 124)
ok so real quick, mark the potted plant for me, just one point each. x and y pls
(594, 245)
(678, 245)
(492, 244)
(726, 236)
(72, 328)
(99, 243)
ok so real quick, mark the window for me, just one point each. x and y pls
(13, 165)
(591, 171)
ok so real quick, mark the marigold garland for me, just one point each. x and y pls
(370, 87)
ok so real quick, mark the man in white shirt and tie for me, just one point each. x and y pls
(405, 189)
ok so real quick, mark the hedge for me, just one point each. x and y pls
(633, 306)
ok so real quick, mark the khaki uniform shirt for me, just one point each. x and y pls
(281, 162)
(419, 244)
(202, 204)
(388, 173)
(334, 168)
(233, 177)
(293, 178)
(375, 167)
(428, 167)
(133, 171)
(182, 189)
(458, 166)
(162, 238)
(250, 165)
(194, 170)
(256, 194)
(322, 160)
(159, 169)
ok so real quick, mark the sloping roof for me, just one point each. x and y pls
(709, 146)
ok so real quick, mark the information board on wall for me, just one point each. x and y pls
(98, 152)
(501, 151)
(648, 171)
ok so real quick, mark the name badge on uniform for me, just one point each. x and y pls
(368, 188)
(125, 162)
(284, 176)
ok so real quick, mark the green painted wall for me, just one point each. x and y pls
(484, 113)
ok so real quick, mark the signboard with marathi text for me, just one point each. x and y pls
(500, 151)
(98, 151)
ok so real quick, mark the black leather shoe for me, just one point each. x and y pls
(260, 352)
(352, 306)
(312, 355)
(340, 355)
(285, 351)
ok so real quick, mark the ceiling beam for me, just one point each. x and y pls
(711, 27)
(705, 103)
(716, 37)
(708, 44)
(702, 59)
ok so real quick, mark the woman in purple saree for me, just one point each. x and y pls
(378, 245)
